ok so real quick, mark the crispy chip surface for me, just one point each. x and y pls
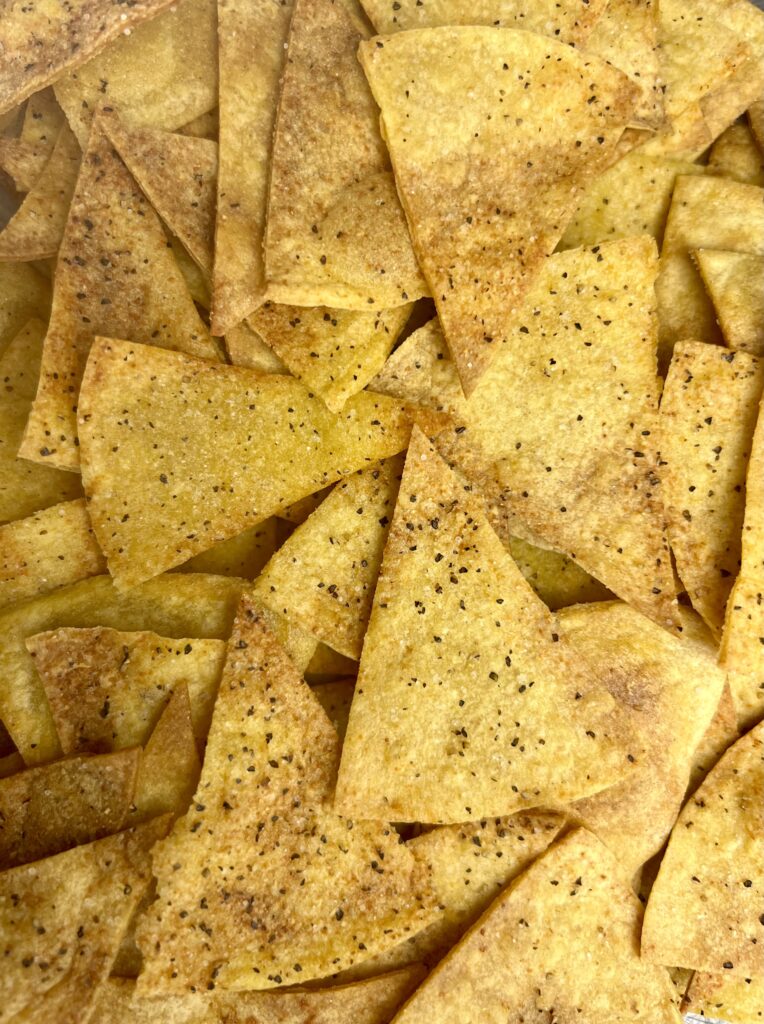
(740, 1000)
(169, 766)
(736, 155)
(245, 347)
(243, 555)
(735, 284)
(24, 295)
(557, 579)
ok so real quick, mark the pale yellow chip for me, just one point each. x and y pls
(756, 121)
(40, 43)
(155, 500)
(62, 920)
(735, 284)
(725, 105)
(706, 213)
(43, 118)
(468, 701)
(178, 603)
(630, 198)
(205, 126)
(336, 234)
(178, 174)
(299, 511)
(36, 229)
(736, 155)
(561, 942)
(704, 909)
(246, 348)
(198, 283)
(247, 106)
(708, 415)
(324, 575)
(25, 487)
(557, 579)
(262, 819)
(334, 352)
(737, 1000)
(483, 226)
(686, 137)
(161, 75)
(115, 274)
(169, 765)
(243, 555)
(47, 550)
(24, 295)
(721, 734)
(23, 162)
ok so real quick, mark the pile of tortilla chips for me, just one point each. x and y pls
(381, 511)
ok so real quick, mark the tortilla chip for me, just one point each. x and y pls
(335, 698)
(756, 121)
(706, 213)
(252, 38)
(736, 155)
(372, 1001)
(465, 211)
(138, 402)
(557, 580)
(180, 604)
(738, 1000)
(205, 126)
(735, 284)
(571, 928)
(438, 708)
(630, 198)
(326, 665)
(24, 294)
(113, 249)
(243, 555)
(686, 137)
(246, 348)
(267, 720)
(35, 230)
(169, 766)
(159, 76)
(198, 283)
(54, 807)
(24, 486)
(707, 419)
(705, 906)
(299, 511)
(668, 688)
(725, 105)
(334, 352)
(178, 175)
(23, 162)
(62, 920)
(721, 734)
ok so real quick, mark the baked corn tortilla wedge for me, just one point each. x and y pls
(718, 996)
(169, 765)
(243, 555)
(721, 734)
(736, 155)
(733, 281)
(24, 296)
(245, 347)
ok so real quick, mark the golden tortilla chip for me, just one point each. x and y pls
(169, 766)
(178, 175)
(62, 920)
(479, 707)
(161, 75)
(668, 688)
(243, 555)
(54, 807)
(178, 603)
(704, 909)
(482, 226)
(630, 198)
(35, 230)
(736, 155)
(23, 162)
(115, 274)
(707, 419)
(144, 483)
(738, 1000)
(246, 348)
(205, 126)
(327, 664)
(335, 352)
(40, 43)
(721, 734)
(25, 487)
(557, 580)
(735, 284)
(24, 294)
(299, 511)
(315, 892)
(198, 283)
(335, 698)
(324, 575)
(756, 121)
(47, 550)
(725, 105)
(706, 213)
(562, 943)
(686, 137)
(251, 39)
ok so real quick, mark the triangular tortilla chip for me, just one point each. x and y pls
(740, 1000)
(24, 294)
(720, 734)
(686, 137)
(243, 555)
(143, 481)
(161, 75)
(262, 822)
(336, 235)
(251, 38)
(482, 226)
(706, 213)
(35, 230)
(725, 105)
(246, 348)
(668, 688)
(708, 415)
(178, 174)
(25, 487)
(62, 920)
(736, 155)
(39, 43)
(324, 575)
(735, 284)
(23, 162)
(198, 283)
(557, 579)
(169, 765)
(561, 943)
(479, 708)
(115, 274)
(40, 128)
(326, 665)
(178, 603)
(47, 550)
(631, 198)
(705, 907)
(335, 352)
(205, 126)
